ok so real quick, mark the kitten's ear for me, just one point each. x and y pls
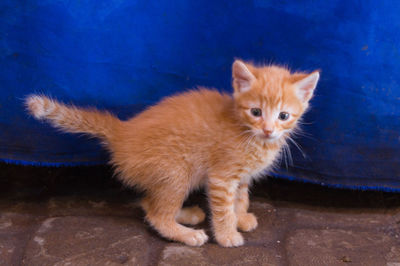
(242, 77)
(305, 86)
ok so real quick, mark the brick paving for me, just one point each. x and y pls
(80, 216)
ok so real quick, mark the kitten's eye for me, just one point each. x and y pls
(283, 116)
(256, 111)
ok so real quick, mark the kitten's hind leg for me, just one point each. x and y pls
(190, 215)
(162, 208)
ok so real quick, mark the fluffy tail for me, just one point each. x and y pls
(73, 119)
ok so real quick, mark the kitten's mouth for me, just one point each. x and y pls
(269, 138)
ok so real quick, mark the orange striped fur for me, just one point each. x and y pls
(200, 138)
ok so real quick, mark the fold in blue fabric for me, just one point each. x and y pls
(126, 55)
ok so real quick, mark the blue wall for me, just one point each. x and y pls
(124, 55)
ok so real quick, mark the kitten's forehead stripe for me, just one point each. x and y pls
(254, 104)
(273, 88)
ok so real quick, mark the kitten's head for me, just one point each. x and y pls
(270, 100)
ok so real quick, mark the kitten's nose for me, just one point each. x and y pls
(268, 131)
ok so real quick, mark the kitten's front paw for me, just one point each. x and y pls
(247, 222)
(195, 238)
(234, 239)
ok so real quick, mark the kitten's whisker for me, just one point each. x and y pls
(244, 139)
(284, 156)
(245, 132)
(298, 146)
(307, 136)
(300, 133)
(243, 143)
(290, 157)
(250, 140)
(305, 123)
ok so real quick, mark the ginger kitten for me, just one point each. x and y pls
(195, 139)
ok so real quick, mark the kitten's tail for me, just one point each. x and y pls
(73, 119)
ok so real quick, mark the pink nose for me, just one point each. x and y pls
(267, 132)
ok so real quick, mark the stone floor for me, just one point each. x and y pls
(81, 216)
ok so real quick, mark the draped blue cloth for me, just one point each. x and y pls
(124, 55)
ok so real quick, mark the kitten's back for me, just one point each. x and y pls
(194, 113)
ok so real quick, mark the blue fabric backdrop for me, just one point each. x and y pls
(124, 55)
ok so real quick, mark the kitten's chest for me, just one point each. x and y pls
(258, 161)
